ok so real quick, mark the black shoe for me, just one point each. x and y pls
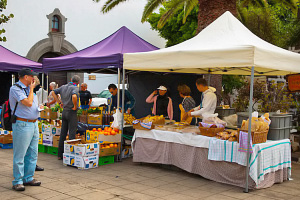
(33, 183)
(18, 187)
(37, 168)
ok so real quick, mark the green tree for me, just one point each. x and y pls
(175, 31)
(3, 18)
(229, 84)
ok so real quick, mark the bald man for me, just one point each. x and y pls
(85, 96)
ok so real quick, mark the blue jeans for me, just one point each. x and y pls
(25, 148)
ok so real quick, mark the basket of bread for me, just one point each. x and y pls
(259, 128)
(210, 130)
(230, 135)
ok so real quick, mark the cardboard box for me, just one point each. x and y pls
(89, 149)
(47, 129)
(48, 114)
(55, 130)
(83, 119)
(47, 140)
(40, 138)
(86, 162)
(6, 139)
(70, 148)
(69, 159)
(110, 151)
(95, 119)
(5, 132)
(102, 139)
(56, 140)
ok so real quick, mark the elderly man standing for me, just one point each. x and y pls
(69, 102)
(85, 96)
(24, 106)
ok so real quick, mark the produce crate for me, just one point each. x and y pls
(6, 146)
(106, 160)
(42, 148)
(52, 150)
(48, 114)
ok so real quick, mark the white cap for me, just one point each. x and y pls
(162, 88)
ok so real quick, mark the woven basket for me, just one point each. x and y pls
(210, 132)
(257, 137)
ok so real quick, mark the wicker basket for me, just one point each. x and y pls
(257, 137)
(210, 132)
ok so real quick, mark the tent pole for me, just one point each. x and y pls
(47, 82)
(118, 104)
(13, 79)
(209, 76)
(43, 87)
(249, 129)
(123, 108)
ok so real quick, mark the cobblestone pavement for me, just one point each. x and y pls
(127, 180)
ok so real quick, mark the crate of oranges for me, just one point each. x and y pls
(109, 149)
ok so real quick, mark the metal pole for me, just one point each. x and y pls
(13, 79)
(209, 76)
(43, 88)
(118, 104)
(47, 83)
(249, 128)
(123, 109)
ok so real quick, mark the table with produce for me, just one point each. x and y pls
(213, 151)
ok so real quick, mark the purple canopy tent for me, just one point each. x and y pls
(107, 53)
(12, 62)
(104, 55)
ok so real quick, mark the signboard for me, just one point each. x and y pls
(293, 82)
(92, 77)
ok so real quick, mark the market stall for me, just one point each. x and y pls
(105, 56)
(225, 47)
(12, 62)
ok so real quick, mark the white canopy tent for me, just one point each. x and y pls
(226, 46)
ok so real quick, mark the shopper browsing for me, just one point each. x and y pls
(69, 101)
(162, 104)
(25, 130)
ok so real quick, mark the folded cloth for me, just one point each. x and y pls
(206, 125)
(146, 125)
(243, 141)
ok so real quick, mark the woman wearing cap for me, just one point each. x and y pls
(51, 101)
(162, 103)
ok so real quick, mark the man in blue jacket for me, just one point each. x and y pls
(129, 99)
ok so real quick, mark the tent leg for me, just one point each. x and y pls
(118, 104)
(123, 108)
(13, 79)
(43, 88)
(47, 83)
(249, 129)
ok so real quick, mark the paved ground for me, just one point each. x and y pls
(127, 180)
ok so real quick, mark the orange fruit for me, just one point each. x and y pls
(111, 145)
(99, 129)
(105, 133)
(113, 132)
(116, 130)
(116, 145)
(94, 129)
(109, 129)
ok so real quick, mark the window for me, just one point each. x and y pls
(55, 23)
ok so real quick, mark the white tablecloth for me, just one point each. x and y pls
(266, 157)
